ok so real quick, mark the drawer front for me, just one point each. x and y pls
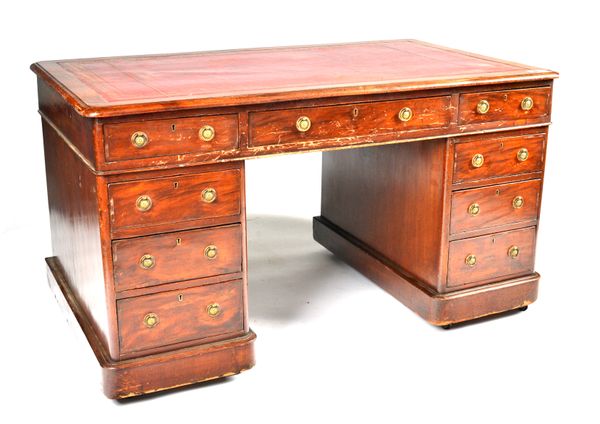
(176, 316)
(506, 105)
(496, 205)
(167, 137)
(489, 257)
(498, 157)
(175, 199)
(353, 120)
(152, 260)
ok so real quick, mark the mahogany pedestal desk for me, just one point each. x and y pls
(432, 180)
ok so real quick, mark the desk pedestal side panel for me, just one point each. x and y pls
(391, 212)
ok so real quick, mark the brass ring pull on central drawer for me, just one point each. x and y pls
(303, 124)
(522, 154)
(513, 251)
(483, 107)
(206, 133)
(405, 114)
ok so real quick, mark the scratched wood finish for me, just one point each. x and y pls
(505, 105)
(175, 199)
(500, 156)
(493, 261)
(495, 206)
(74, 216)
(384, 197)
(122, 85)
(348, 121)
(182, 315)
(168, 137)
(177, 256)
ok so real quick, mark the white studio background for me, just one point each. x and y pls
(331, 346)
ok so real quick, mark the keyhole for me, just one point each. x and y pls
(355, 112)
(180, 297)
(175, 184)
(178, 241)
(173, 127)
(497, 192)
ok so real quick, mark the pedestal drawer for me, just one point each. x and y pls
(495, 205)
(174, 199)
(184, 255)
(495, 256)
(166, 318)
(492, 157)
(345, 121)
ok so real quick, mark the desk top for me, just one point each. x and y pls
(115, 86)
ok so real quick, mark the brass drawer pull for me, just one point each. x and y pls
(151, 320)
(483, 107)
(147, 261)
(211, 251)
(527, 103)
(214, 309)
(206, 133)
(303, 124)
(209, 195)
(405, 114)
(471, 260)
(477, 160)
(518, 202)
(143, 203)
(522, 154)
(513, 251)
(139, 139)
(474, 209)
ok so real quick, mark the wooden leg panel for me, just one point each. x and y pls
(438, 309)
(157, 372)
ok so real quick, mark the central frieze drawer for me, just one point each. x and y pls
(175, 199)
(184, 255)
(162, 319)
(495, 205)
(346, 121)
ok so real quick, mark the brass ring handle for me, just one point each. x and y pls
(474, 209)
(518, 202)
(477, 160)
(147, 261)
(213, 310)
(522, 154)
(405, 114)
(209, 195)
(139, 139)
(527, 103)
(483, 107)
(513, 251)
(143, 203)
(206, 133)
(303, 124)
(211, 251)
(471, 260)
(151, 320)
